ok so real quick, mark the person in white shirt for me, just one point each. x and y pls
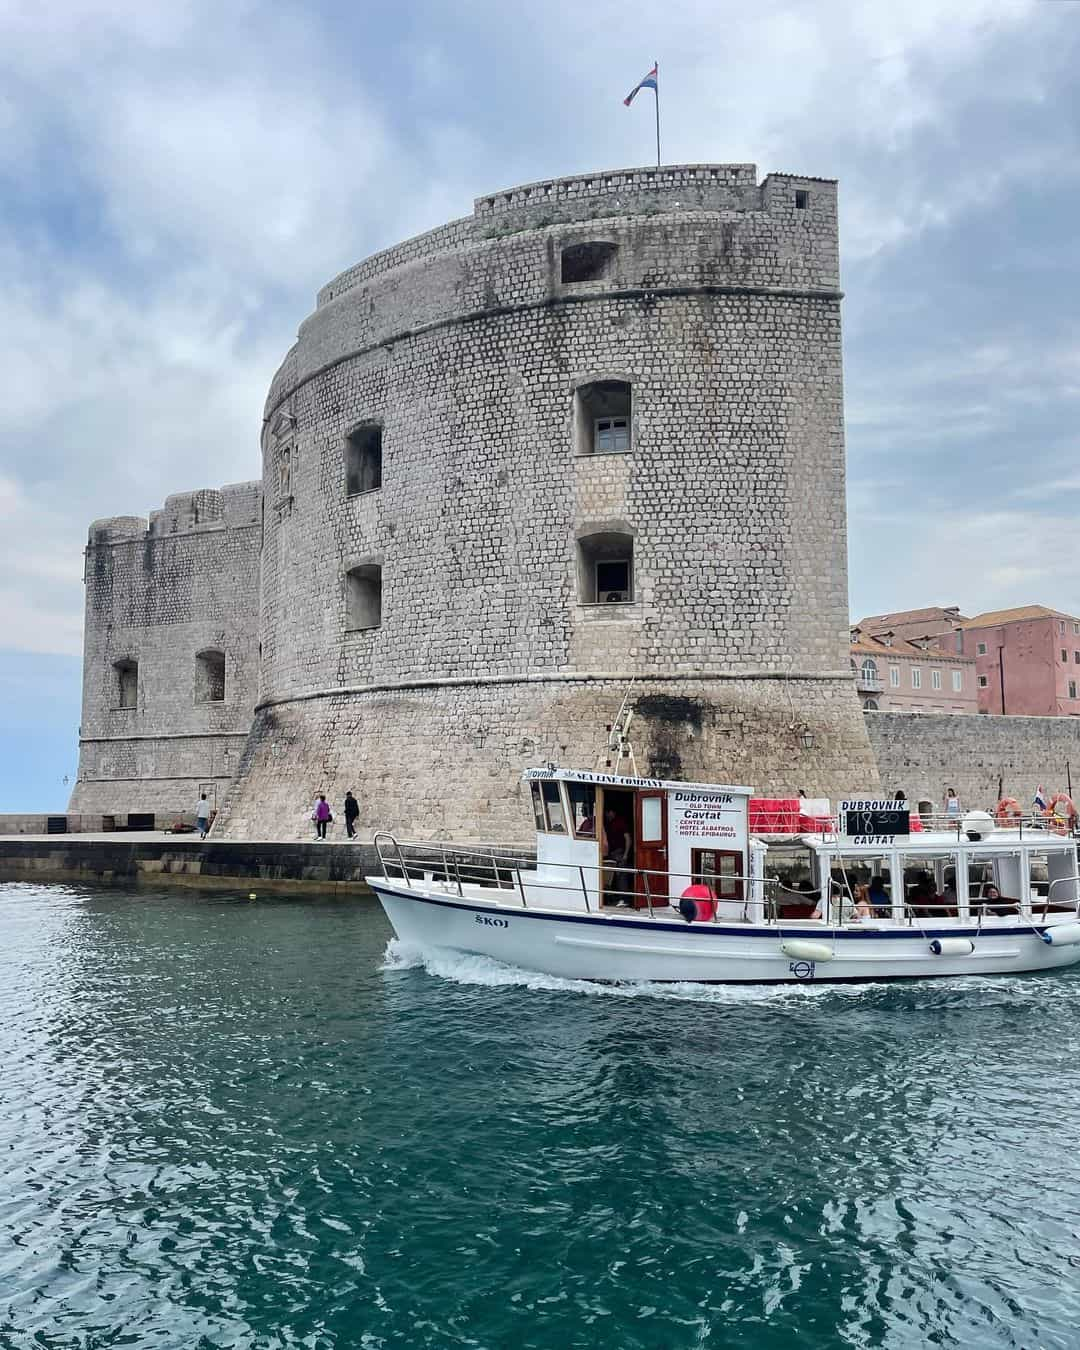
(202, 816)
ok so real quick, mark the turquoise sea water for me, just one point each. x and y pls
(235, 1123)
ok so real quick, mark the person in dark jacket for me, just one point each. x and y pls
(352, 810)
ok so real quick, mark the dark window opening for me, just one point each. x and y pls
(210, 677)
(587, 262)
(363, 598)
(606, 568)
(363, 459)
(802, 199)
(127, 683)
(602, 418)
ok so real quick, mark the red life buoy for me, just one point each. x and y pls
(1061, 822)
(1008, 809)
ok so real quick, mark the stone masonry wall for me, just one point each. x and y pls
(720, 308)
(446, 760)
(923, 755)
(159, 592)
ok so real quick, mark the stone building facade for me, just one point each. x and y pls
(170, 667)
(589, 438)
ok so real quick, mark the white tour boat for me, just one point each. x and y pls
(635, 879)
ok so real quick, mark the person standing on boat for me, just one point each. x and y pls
(617, 854)
(202, 816)
(352, 810)
(321, 816)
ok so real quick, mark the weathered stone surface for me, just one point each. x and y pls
(923, 755)
(716, 300)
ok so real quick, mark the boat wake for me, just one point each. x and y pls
(485, 971)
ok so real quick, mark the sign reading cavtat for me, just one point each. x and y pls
(873, 820)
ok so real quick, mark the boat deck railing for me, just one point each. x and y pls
(461, 869)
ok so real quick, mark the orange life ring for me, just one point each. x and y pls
(1007, 809)
(1062, 821)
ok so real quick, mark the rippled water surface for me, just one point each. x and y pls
(237, 1123)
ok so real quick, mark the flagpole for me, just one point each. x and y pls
(657, 92)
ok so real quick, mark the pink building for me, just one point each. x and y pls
(895, 674)
(1027, 661)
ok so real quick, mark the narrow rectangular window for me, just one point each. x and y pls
(983, 681)
(1072, 688)
(556, 823)
(1076, 629)
(802, 199)
(980, 649)
(935, 679)
(894, 677)
(612, 435)
(1064, 656)
(916, 677)
(1061, 627)
(957, 681)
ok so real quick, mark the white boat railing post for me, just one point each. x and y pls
(457, 875)
(648, 894)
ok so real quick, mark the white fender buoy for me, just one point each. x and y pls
(1062, 935)
(952, 946)
(806, 951)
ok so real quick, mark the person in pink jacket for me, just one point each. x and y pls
(321, 816)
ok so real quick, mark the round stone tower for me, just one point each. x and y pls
(588, 439)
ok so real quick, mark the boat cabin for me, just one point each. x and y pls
(610, 840)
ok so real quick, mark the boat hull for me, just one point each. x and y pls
(610, 948)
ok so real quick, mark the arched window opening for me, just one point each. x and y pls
(869, 669)
(210, 677)
(602, 418)
(127, 683)
(588, 262)
(871, 705)
(363, 598)
(606, 568)
(363, 459)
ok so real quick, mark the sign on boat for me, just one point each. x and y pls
(639, 879)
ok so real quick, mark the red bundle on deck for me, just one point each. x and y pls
(774, 815)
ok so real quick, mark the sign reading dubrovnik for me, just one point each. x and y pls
(873, 820)
(708, 815)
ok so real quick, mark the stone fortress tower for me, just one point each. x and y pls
(170, 661)
(591, 434)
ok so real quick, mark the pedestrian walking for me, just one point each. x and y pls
(202, 816)
(321, 816)
(352, 810)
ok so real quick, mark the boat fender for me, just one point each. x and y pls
(1062, 935)
(806, 951)
(952, 946)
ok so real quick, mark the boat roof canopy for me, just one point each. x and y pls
(551, 773)
(938, 841)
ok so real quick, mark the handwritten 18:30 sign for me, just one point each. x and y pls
(875, 817)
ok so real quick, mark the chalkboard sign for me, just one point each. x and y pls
(874, 820)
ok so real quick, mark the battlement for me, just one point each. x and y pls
(232, 507)
(589, 196)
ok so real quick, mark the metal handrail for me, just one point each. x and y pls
(454, 860)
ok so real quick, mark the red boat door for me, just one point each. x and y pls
(650, 845)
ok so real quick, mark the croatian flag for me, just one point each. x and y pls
(649, 82)
(1040, 798)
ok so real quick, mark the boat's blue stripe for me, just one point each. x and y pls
(710, 929)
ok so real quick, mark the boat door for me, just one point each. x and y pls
(650, 845)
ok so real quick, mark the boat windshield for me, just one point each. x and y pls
(582, 809)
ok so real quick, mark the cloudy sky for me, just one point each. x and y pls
(178, 178)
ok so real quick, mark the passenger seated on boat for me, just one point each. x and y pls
(863, 907)
(878, 898)
(924, 900)
(805, 905)
(993, 902)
